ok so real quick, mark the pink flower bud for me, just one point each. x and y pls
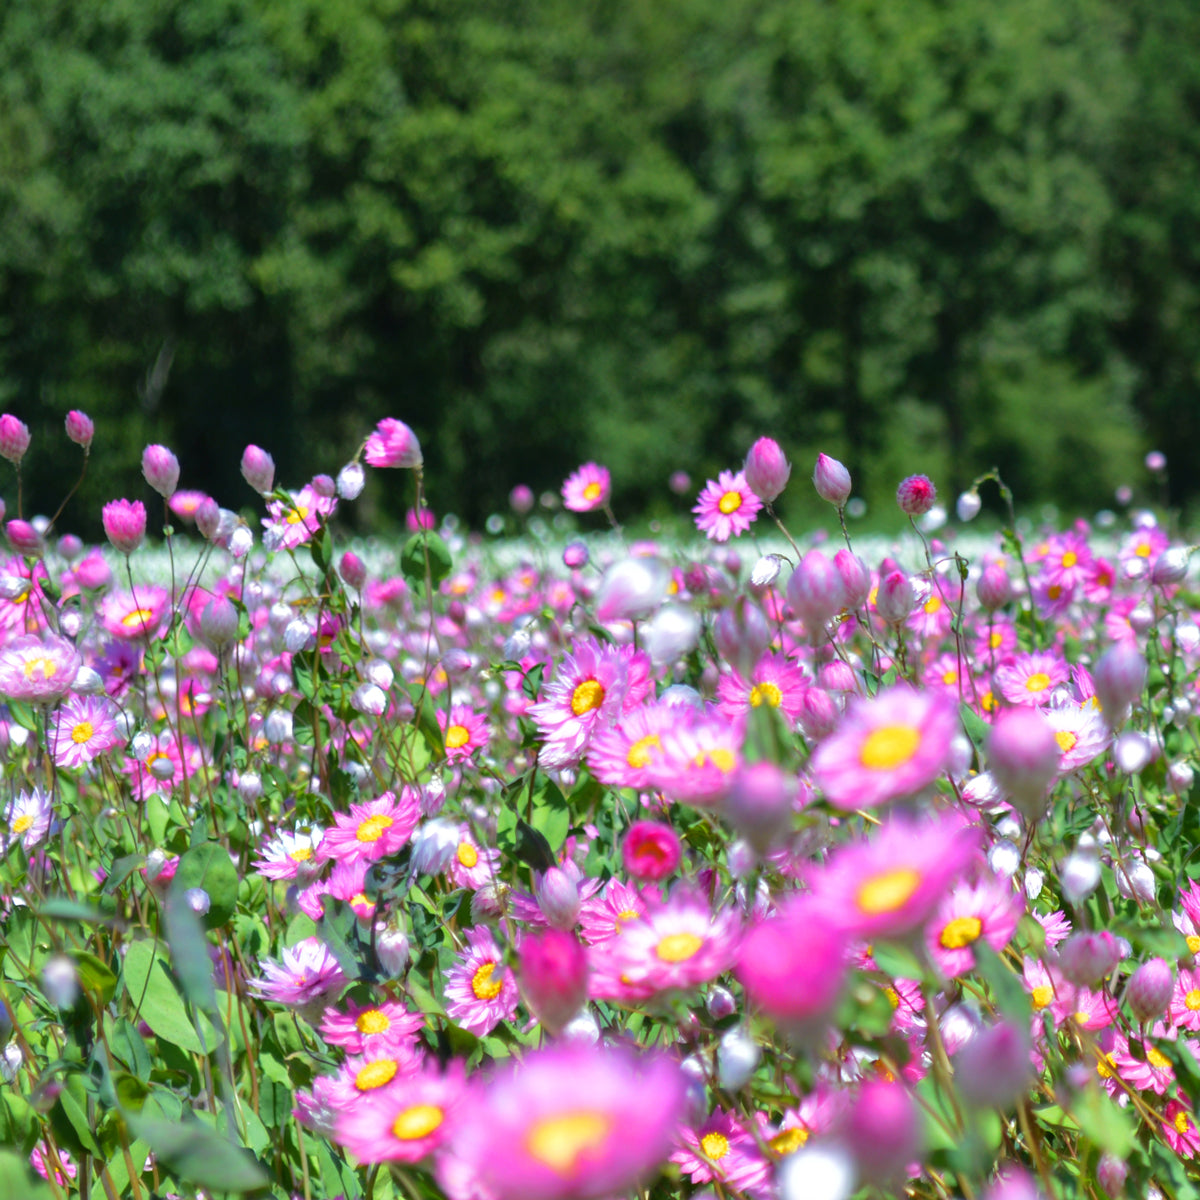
(993, 1070)
(894, 598)
(1023, 756)
(837, 676)
(393, 444)
(884, 1130)
(161, 469)
(558, 897)
(1149, 990)
(916, 495)
(124, 524)
(1119, 677)
(742, 635)
(1156, 461)
(324, 485)
(520, 499)
(24, 539)
(553, 977)
(92, 571)
(14, 438)
(417, 519)
(1110, 1174)
(815, 591)
(818, 714)
(353, 570)
(831, 480)
(1086, 958)
(575, 555)
(218, 623)
(759, 803)
(258, 469)
(651, 851)
(208, 517)
(994, 588)
(631, 589)
(1171, 566)
(80, 428)
(766, 469)
(856, 579)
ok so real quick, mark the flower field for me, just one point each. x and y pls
(635, 868)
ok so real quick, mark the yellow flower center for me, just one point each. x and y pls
(1070, 558)
(587, 695)
(889, 747)
(155, 757)
(139, 618)
(893, 996)
(297, 514)
(950, 677)
(1193, 944)
(457, 735)
(592, 491)
(483, 985)
(786, 1141)
(301, 854)
(714, 1145)
(1143, 551)
(887, 891)
(641, 753)
(372, 1021)
(1081, 1017)
(1192, 1000)
(82, 732)
(1042, 995)
(960, 932)
(678, 947)
(22, 823)
(371, 830)
(988, 701)
(467, 855)
(418, 1121)
(933, 604)
(47, 668)
(996, 640)
(1039, 681)
(624, 916)
(560, 1142)
(730, 502)
(1181, 1122)
(768, 692)
(719, 757)
(375, 1075)
(1156, 1058)
(1106, 1066)
(1066, 740)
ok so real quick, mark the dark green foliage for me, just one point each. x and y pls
(920, 236)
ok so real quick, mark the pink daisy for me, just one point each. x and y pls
(697, 759)
(988, 909)
(1031, 678)
(1179, 1129)
(358, 1029)
(291, 525)
(723, 1150)
(609, 912)
(362, 1075)
(346, 882)
(373, 830)
(135, 614)
(306, 975)
(587, 489)
(27, 816)
(480, 990)
(1150, 1071)
(775, 681)
(473, 866)
(291, 855)
(572, 1122)
(891, 745)
(623, 755)
(1080, 732)
(82, 729)
(1184, 1010)
(38, 670)
(407, 1120)
(464, 731)
(726, 508)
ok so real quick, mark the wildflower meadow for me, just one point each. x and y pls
(756, 864)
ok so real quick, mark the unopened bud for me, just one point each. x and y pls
(832, 480)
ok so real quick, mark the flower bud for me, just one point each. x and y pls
(671, 633)
(1023, 757)
(831, 480)
(369, 699)
(24, 539)
(14, 438)
(575, 555)
(558, 897)
(1135, 879)
(353, 571)
(433, 846)
(350, 481)
(819, 714)
(765, 571)
(1110, 1174)
(894, 598)
(520, 499)
(968, 505)
(1119, 677)
(720, 1002)
(815, 591)
(856, 579)
(742, 635)
(249, 786)
(124, 524)
(737, 1058)
(1079, 876)
(208, 518)
(884, 1130)
(994, 588)
(161, 470)
(1134, 751)
(993, 1070)
(1171, 566)
(392, 949)
(916, 495)
(80, 428)
(218, 623)
(837, 676)
(258, 469)
(1086, 958)
(552, 973)
(1149, 989)
(392, 444)
(60, 981)
(631, 589)
(759, 803)
(198, 900)
(766, 469)
(650, 851)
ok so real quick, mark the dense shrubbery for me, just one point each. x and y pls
(545, 230)
(641, 875)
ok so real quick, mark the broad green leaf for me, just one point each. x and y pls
(156, 999)
(209, 866)
(197, 1155)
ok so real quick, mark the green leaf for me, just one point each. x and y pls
(337, 928)
(1008, 993)
(209, 866)
(978, 730)
(895, 960)
(61, 909)
(189, 954)
(94, 974)
(198, 1155)
(18, 1181)
(425, 551)
(156, 1000)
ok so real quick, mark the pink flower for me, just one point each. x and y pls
(989, 909)
(1179, 1129)
(766, 469)
(393, 444)
(358, 1029)
(916, 495)
(651, 850)
(291, 525)
(587, 489)
(160, 468)
(775, 681)
(373, 830)
(722, 1149)
(135, 614)
(480, 990)
(28, 818)
(464, 730)
(306, 975)
(124, 524)
(473, 866)
(622, 756)
(290, 855)
(185, 504)
(14, 438)
(407, 1120)
(891, 745)
(362, 1075)
(258, 469)
(81, 730)
(572, 1122)
(36, 670)
(1031, 678)
(727, 507)
(609, 913)
(80, 428)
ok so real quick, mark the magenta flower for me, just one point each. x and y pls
(291, 525)
(392, 444)
(360, 1030)
(373, 830)
(80, 428)
(1031, 678)
(124, 524)
(722, 1149)
(727, 507)
(573, 1122)
(988, 909)
(480, 990)
(916, 495)
(464, 730)
(622, 756)
(28, 818)
(136, 614)
(651, 850)
(587, 489)
(82, 729)
(305, 977)
(36, 670)
(160, 468)
(14, 438)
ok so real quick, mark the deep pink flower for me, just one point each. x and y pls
(722, 1149)
(393, 444)
(373, 830)
(464, 731)
(82, 729)
(480, 990)
(766, 469)
(988, 909)
(258, 469)
(160, 468)
(587, 489)
(14, 438)
(124, 524)
(916, 495)
(38, 670)
(80, 428)
(726, 507)
(136, 614)
(651, 850)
